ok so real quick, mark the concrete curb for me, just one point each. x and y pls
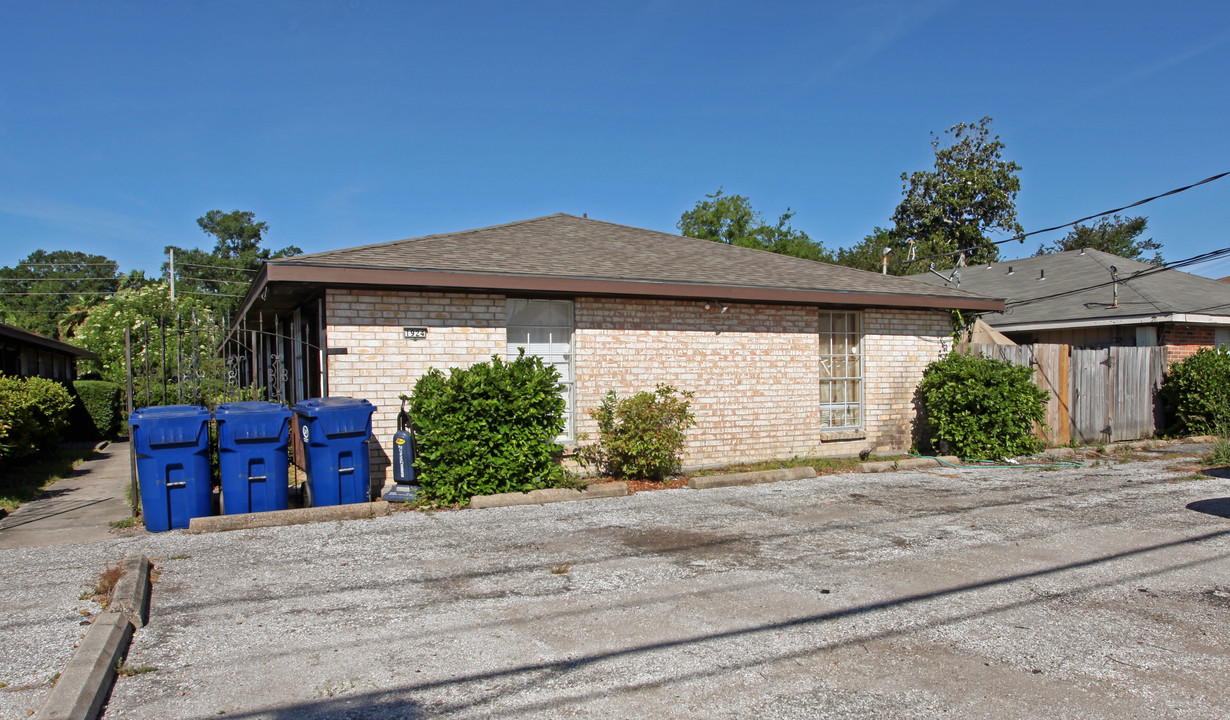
(907, 463)
(241, 521)
(86, 681)
(550, 495)
(751, 478)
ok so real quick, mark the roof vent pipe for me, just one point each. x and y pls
(1114, 283)
(1041, 275)
(1009, 270)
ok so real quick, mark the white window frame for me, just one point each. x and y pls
(842, 370)
(557, 350)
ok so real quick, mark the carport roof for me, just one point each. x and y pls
(570, 255)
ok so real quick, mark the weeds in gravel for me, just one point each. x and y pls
(104, 585)
(123, 669)
(333, 687)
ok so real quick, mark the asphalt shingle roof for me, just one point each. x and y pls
(566, 246)
(1076, 288)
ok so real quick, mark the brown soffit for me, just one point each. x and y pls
(287, 272)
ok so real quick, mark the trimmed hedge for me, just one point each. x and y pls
(1196, 394)
(100, 406)
(981, 408)
(488, 429)
(33, 415)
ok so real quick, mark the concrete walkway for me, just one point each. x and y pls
(76, 509)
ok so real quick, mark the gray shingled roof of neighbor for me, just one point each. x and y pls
(1077, 291)
(567, 254)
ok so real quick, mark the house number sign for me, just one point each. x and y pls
(414, 333)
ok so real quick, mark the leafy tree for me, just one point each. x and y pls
(1115, 235)
(970, 193)
(868, 254)
(223, 275)
(148, 312)
(44, 287)
(731, 219)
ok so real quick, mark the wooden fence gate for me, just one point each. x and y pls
(1096, 394)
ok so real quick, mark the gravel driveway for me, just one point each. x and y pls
(958, 593)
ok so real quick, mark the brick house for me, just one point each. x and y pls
(785, 356)
(1089, 298)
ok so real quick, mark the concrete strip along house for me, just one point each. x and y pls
(785, 356)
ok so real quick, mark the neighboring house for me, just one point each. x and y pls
(27, 354)
(1073, 298)
(785, 356)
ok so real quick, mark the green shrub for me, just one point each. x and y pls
(981, 408)
(33, 415)
(488, 429)
(99, 406)
(1196, 393)
(641, 436)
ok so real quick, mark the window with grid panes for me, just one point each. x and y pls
(544, 328)
(841, 369)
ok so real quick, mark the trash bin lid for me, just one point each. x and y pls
(171, 424)
(312, 406)
(169, 410)
(251, 407)
(252, 420)
(338, 415)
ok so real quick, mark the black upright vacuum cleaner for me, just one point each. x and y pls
(404, 488)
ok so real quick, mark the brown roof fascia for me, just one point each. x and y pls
(286, 272)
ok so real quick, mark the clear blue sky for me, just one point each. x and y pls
(343, 122)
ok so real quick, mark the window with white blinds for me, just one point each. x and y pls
(841, 369)
(544, 328)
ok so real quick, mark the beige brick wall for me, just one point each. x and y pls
(380, 364)
(754, 369)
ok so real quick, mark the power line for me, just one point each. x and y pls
(210, 280)
(1194, 260)
(1020, 237)
(216, 267)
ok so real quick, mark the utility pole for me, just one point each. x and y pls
(172, 273)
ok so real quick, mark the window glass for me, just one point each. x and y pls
(544, 328)
(841, 369)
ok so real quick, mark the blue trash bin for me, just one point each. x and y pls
(172, 447)
(252, 440)
(335, 432)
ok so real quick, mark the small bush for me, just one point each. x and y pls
(641, 436)
(982, 408)
(33, 415)
(488, 429)
(100, 408)
(1196, 393)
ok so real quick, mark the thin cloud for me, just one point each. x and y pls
(891, 23)
(1162, 65)
(74, 218)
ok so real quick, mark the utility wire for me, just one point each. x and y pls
(216, 267)
(1020, 237)
(1194, 260)
(210, 280)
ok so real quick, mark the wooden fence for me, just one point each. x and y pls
(1096, 394)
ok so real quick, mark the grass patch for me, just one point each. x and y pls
(1220, 454)
(126, 523)
(823, 466)
(22, 482)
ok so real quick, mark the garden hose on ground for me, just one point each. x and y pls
(1052, 463)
